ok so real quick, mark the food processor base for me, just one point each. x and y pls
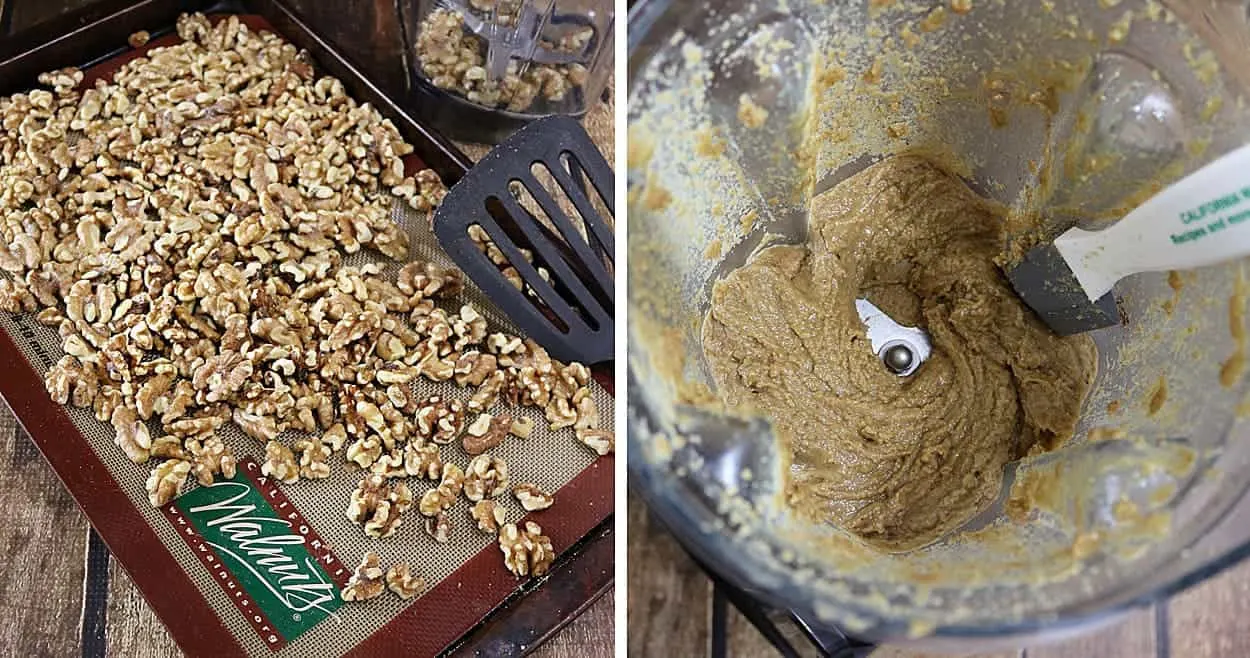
(780, 627)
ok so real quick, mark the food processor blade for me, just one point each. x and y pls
(901, 349)
(518, 41)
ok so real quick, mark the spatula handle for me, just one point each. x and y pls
(1203, 219)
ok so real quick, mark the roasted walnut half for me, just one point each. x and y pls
(401, 581)
(489, 515)
(526, 551)
(531, 497)
(368, 580)
(486, 432)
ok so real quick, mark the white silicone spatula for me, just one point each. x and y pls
(1203, 219)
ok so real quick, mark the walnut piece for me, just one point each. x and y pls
(439, 527)
(166, 480)
(280, 463)
(132, 434)
(438, 499)
(470, 328)
(335, 437)
(377, 505)
(531, 497)
(440, 420)
(489, 515)
(139, 39)
(420, 279)
(401, 581)
(486, 477)
(312, 459)
(561, 413)
(62, 81)
(603, 442)
(170, 447)
(423, 461)
(211, 456)
(506, 348)
(367, 582)
(488, 393)
(587, 412)
(390, 464)
(71, 381)
(364, 451)
(526, 551)
(522, 427)
(473, 367)
(486, 432)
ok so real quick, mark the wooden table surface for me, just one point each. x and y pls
(61, 594)
(669, 604)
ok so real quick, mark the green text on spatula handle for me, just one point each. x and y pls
(1213, 216)
(1171, 231)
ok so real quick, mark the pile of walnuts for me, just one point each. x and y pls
(184, 225)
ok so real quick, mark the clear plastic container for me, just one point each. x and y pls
(1077, 110)
(483, 68)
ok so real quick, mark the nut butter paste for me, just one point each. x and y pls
(897, 461)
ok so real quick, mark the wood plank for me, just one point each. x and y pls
(745, 639)
(590, 635)
(44, 543)
(600, 124)
(668, 594)
(132, 628)
(1133, 637)
(1209, 620)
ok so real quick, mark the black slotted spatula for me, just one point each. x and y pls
(570, 311)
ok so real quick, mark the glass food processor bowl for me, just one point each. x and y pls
(481, 69)
(1072, 112)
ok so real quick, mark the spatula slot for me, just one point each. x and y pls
(526, 227)
(602, 206)
(541, 269)
(566, 278)
(541, 264)
(574, 239)
(514, 273)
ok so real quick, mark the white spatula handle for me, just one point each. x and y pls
(1201, 220)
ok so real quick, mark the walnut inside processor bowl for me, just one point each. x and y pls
(454, 59)
(185, 227)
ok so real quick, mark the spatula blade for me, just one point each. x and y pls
(569, 310)
(1047, 285)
